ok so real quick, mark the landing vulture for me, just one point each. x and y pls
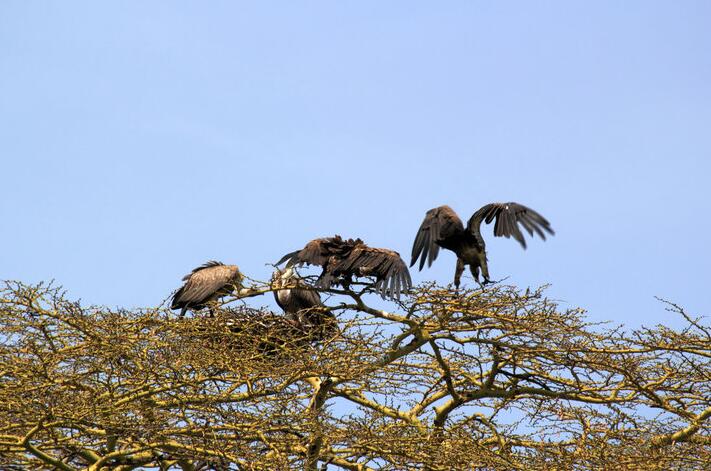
(341, 259)
(443, 228)
(205, 284)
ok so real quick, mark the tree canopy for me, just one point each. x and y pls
(489, 379)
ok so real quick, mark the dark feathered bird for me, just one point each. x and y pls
(342, 259)
(205, 284)
(301, 304)
(293, 299)
(443, 228)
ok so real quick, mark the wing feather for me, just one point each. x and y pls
(208, 264)
(351, 257)
(507, 217)
(383, 264)
(315, 252)
(206, 282)
(288, 257)
(438, 227)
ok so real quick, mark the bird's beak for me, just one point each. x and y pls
(288, 273)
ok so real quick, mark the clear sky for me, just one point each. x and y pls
(140, 139)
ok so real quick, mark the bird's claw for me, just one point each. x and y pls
(486, 281)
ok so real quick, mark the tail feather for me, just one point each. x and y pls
(175, 303)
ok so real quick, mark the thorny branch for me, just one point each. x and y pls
(484, 379)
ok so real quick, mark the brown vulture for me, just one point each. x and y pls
(443, 228)
(291, 298)
(341, 259)
(205, 284)
(301, 304)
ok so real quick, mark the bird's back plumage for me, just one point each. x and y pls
(206, 283)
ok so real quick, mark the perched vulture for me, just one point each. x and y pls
(443, 228)
(301, 304)
(293, 299)
(204, 284)
(344, 259)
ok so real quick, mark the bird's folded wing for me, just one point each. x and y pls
(205, 283)
(439, 224)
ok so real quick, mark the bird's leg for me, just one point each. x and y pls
(474, 269)
(346, 282)
(458, 273)
(484, 268)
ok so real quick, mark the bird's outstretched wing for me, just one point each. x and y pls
(507, 217)
(440, 225)
(204, 282)
(315, 252)
(390, 271)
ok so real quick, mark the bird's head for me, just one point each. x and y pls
(281, 277)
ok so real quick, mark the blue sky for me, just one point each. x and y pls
(140, 139)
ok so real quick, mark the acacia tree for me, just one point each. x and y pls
(490, 379)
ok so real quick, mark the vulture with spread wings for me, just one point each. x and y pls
(204, 285)
(342, 259)
(443, 228)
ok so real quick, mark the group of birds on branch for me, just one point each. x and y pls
(342, 260)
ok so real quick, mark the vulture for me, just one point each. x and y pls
(294, 299)
(300, 304)
(443, 228)
(205, 284)
(341, 259)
